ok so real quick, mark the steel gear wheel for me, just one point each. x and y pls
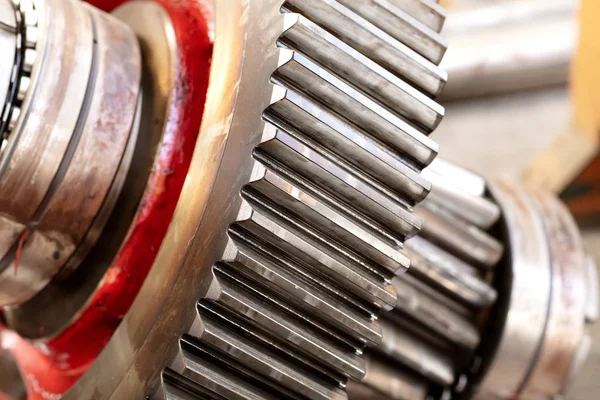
(323, 141)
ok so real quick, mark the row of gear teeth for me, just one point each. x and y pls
(319, 239)
(27, 33)
(431, 337)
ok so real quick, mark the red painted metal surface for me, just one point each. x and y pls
(51, 368)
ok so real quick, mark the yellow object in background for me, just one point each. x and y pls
(577, 147)
(585, 75)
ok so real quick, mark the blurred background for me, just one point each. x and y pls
(522, 103)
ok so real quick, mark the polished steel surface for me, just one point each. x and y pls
(543, 341)
(448, 174)
(566, 319)
(471, 207)
(520, 339)
(366, 38)
(425, 306)
(448, 273)
(454, 234)
(417, 354)
(402, 27)
(387, 379)
(427, 12)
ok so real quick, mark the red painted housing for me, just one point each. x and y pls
(51, 368)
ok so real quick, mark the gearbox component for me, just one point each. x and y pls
(68, 127)
(334, 158)
(282, 232)
(321, 139)
(469, 323)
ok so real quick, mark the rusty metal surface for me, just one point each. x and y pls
(34, 153)
(107, 118)
(70, 167)
(73, 319)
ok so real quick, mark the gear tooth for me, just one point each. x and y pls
(24, 84)
(428, 12)
(448, 273)
(391, 227)
(459, 237)
(424, 306)
(14, 118)
(331, 93)
(360, 72)
(25, 5)
(277, 345)
(29, 59)
(207, 367)
(263, 254)
(397, 181)
(444, 172)
(324, 218)
(31, 36)
(264, 362)
(322, 234)
(178, 387)
(401, 27)
(332, 281)
(292, 306)
(272, 316)
(345, 275)
(30, 17)
(372, 42)
(475, 210)
(434, 329)
(416, 354)
(390, 379)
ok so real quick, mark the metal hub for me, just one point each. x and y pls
(70, 110)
